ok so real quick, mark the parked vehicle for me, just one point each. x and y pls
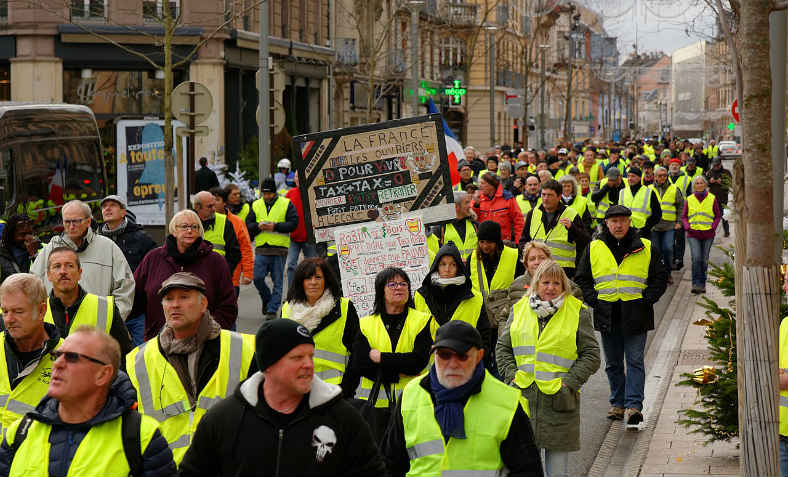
(729, 149)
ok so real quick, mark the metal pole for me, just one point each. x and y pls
(191, 143)
(610, 123)
(777, 51)
(263, 127)
(414, 57)
(541, 106)
(491, 60)
(568, 115)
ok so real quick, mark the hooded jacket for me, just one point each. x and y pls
(325, 435)
(502, 208)
(199, 259)
(132, 241)
(105, 270)
(64, 439)
(9, 263)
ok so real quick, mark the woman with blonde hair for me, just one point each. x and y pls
(548, 350)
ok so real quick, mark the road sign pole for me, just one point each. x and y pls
(190, 147)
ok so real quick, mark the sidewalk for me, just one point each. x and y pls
(673, 450)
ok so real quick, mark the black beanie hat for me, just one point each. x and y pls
(276, 338)
(490, 231)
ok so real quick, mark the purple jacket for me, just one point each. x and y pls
(161, 262)
(701, 234)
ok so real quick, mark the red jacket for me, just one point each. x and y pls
(299, 234)
(501, 208)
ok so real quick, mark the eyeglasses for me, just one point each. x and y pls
(445, 355)
(74, 357)
(394, 285)
(193, 227)
(71, 222)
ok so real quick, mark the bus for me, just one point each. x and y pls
(49, 154)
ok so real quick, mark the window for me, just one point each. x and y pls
(154, 10)
(84, 9)
(452, 51)
(4, 10)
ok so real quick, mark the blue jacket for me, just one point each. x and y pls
(65, 438)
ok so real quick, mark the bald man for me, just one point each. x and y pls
(218, 230)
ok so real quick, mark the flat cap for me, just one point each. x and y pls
(618, 211)
(184, 280)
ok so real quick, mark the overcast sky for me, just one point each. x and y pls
(655, 24)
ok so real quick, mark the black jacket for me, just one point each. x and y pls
(204, 179)
(16, 369)
(240, 436)
(64, 439)
(607, 190)
(578, 234)
(132, 241)
(628, 317)
(9, 265)
(232, 251)
(117, 328)
(518, 451)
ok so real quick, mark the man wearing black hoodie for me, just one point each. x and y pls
(623, 306)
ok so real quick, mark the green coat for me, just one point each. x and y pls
(555, 419)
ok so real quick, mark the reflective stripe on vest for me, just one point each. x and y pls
(667, 202)
(700, 214)
(331, 356)
(161, 395)
(33, 455)
(277, 215)
(783, 361)
(468, 310)
(681, 182)
(547, 356)
(96, 311)
(467, 246)
(640, 204)
(488, 416)
(614, 282)
(215, 234)
(504, 274)
(557, 238)
(377, 336)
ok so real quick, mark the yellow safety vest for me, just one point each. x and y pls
(488, 417)
(525, 204)
(100, 452)
(96, 311)
(278, 214)
(580, 204)
(28, 393)
(467, 246)
(681, 182)
(433, 245)
(331, 356)
(614, 282)
(374, 331)
(503, 276)
(639, 204)
(243, 212)
(604, 203)
(591, 207)
(161, 395)
(667, 202)
(215, 234)
(468, 310)
(698, 172)
(784, 366)
(593, 174)
(700, 214)
(557, 239)
(544, 357)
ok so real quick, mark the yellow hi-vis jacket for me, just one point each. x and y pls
(557, 238)
(467, 246)
(614, 282)
(277, 214)
(700, 214)
(503, 276)
(667, 201)
(639, 204)
(215, 234)
(96, 311)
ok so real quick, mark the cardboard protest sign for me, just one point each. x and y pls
(371, 172)
(364, 250)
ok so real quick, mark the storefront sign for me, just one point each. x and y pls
(456, 91)
(364, 250)
(366, 173)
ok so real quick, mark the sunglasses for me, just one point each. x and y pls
(73, 357)
(446, 355)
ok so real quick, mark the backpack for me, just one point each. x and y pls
(130, 430)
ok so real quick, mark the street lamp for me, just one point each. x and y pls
(414, 6)
(542, 51)
(491, 60)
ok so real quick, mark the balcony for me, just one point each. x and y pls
(461, 13)
(395, 63)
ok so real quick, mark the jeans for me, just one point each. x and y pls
(699, 250)
(556, 463)
(136, 327)
(679, 246)
(292, 257)
(783, 457)
(275, 265)
(625, 390)
(663, 241)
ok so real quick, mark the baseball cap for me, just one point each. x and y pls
(183, 280)
(115, 198)
(457, 335)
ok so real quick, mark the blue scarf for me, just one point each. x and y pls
(450, 403)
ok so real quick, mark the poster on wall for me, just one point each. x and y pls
(140, 156)
(364, 250)
(373, 172)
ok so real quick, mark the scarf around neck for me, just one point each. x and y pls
(545, 308)
(105, 230)
(311, 315)
(450, 403)
(444, 282)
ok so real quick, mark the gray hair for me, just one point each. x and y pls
(571, 179)
(85, 208)
(471, 148)
(705, 182)
(195, 199)
(504, 165)
(28, 284)
(660, 169)
(459, 195)
(545, 172)
(189, 215)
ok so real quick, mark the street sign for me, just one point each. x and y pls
(457, 92)
(197, 131)
(731, 126)
(183, 108)
(735, 110)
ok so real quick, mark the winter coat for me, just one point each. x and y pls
(133, 242)
(239, 436)
(199, 259)
(105, 270)
(204, 179)
(299, 234)
(502, 208)
(555, 418)
(632, 317)
(64, 439)
(9, 265)
(247, 251)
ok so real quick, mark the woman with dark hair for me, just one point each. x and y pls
(17, 246)
(315, 301)
(500, 206)
(394, 343)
